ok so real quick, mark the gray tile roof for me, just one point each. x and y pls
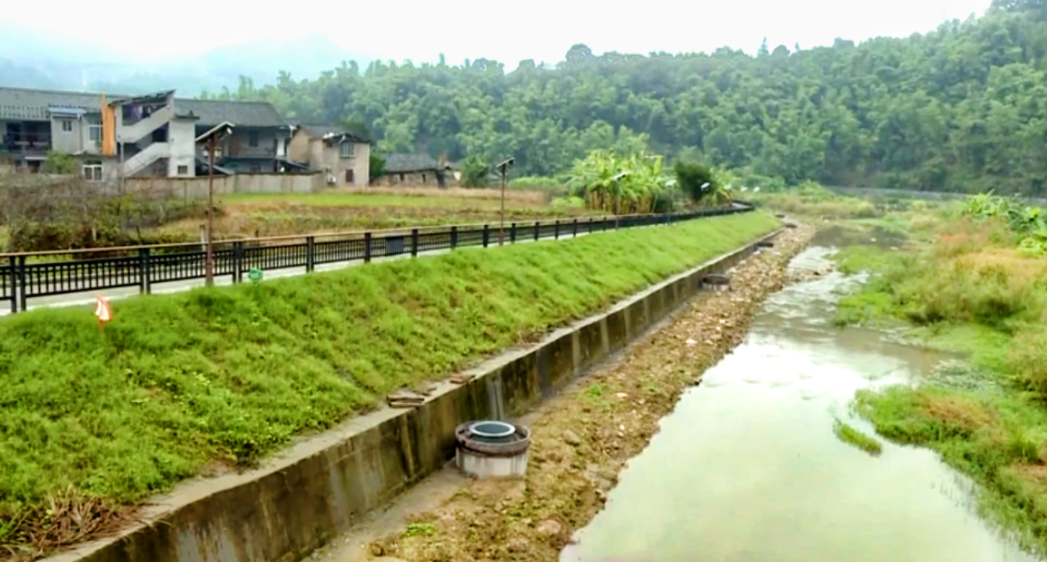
(239, 113)
(19, 103)
(402, 163)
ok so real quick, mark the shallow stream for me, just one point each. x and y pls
(747, 468)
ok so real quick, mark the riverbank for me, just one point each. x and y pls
(210, 381)
(969, 289)
(582, 438)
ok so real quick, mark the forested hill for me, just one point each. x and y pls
(963, 107)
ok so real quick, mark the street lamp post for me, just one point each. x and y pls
(503, 169)
(618, 194)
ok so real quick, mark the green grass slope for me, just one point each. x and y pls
(228, 374)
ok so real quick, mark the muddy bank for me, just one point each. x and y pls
(583, 437)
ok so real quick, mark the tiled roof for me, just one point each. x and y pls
(31, 105)
(239, 113)
(403, 163)
(19, 103)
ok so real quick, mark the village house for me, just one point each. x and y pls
(343, 157)
(153, 135)
(417, 170)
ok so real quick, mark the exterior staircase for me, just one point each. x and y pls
(138, 130)
(143, 159)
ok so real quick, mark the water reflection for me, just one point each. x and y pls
(747, 467)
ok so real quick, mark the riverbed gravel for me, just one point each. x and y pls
(583, 438)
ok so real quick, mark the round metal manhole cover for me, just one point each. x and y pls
(492, 431)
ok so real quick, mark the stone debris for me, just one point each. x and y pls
(549, 527)
(462, 378)
(571, 438)
(404, 399)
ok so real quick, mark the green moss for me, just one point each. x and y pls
(177, 381)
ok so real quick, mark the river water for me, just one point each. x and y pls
(747, 468)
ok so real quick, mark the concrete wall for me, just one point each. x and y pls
(239, 144)
(298, 149)
(319, 156)
(240, 183)
(322, 486)
(359, 163)
(182, 142)
(68, 142)
(416, 179)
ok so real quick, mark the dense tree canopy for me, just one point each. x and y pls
(963, 107)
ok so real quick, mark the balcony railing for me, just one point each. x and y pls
(26, 143)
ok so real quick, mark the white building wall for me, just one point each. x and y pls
(182, 140)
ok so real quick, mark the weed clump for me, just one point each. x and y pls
(855, 438)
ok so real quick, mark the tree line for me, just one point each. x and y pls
(960, 108)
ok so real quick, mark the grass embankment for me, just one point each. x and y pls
(970, 290)
(177, 382)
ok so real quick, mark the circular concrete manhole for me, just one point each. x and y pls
(716, 282)
(492, 449)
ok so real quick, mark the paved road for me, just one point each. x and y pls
(87, 298)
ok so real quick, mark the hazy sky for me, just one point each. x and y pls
(506, 31)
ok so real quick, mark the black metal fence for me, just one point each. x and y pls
(26, 276)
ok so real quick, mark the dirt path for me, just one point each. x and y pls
(582, 438)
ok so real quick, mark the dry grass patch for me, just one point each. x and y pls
(958, 412)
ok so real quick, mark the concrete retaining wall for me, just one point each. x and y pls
(323, 485)
(239, 183)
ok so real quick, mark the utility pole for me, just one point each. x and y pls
(211, 146)
(503, 169)
(212, 137)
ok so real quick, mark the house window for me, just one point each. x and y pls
(401, 178)
(423, 179)
(94, 132)
(252, 140)
(92, 172)
(183, 170)
(256, 168)
(349, 176)
(67, 126)
(348, 150)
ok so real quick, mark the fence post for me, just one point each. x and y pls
(414, 242)
(310, 253)
(454, 237)
(14, 284)
(512, 233)
(556, 229)
(144, 267)
(574, 229)
(487, 235)
(537, 225)
(238, 261)
(22, 297)
(590, 225)
(367, 247)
